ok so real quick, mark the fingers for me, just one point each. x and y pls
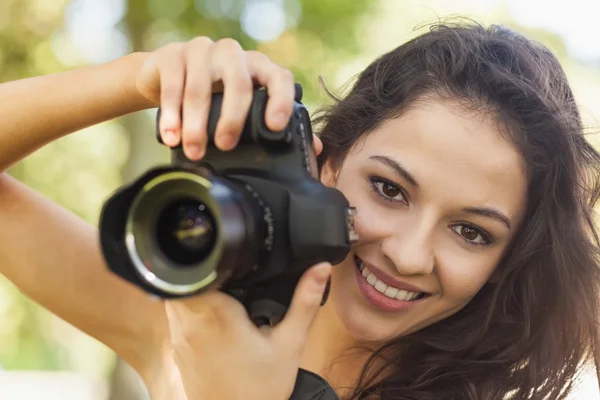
(188, 74)
(317, 144)
(233, 71)
(280, 87)
(171, 68)
(197, 97)
(292, 331)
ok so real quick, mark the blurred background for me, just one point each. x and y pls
(42, 357)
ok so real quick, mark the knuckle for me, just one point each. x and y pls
(197, 45)
(286, 75)
(174, 48)
(258, 56)
(202, 41)
(229, 44)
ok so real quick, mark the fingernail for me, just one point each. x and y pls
(322, 273)
(194, 152)
(170, 137)
(225, 141)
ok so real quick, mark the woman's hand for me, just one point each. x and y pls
(221, 354)
(182, 76)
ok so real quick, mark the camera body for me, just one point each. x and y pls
(248, 221)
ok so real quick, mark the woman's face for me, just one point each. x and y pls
(439, 194)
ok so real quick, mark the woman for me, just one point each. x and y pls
(476, 275)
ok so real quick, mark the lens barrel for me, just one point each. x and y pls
(188, 230)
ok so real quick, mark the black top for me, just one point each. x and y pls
(310, 386)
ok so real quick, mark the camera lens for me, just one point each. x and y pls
(186, 231)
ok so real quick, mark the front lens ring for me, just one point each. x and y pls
(153, 266)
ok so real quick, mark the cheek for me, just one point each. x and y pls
(463, 273)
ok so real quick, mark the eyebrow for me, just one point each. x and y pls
(397, 167)
(482, 211)
(489, 212)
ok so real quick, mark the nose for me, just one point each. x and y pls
(410, 251)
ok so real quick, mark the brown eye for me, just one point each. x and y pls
(468, 233)
(471, 235)
(388, 191)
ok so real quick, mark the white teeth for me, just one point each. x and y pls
(380, 286)
(402, 295)
(372, 279)
(389, 291)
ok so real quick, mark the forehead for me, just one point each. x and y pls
(451, 152)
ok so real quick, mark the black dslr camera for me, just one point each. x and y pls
(249, 221)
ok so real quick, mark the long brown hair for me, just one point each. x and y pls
(527, 335)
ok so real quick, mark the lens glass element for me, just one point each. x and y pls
(186, 231)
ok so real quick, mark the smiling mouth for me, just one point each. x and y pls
(385, 289)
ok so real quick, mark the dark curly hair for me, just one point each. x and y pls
(526, 335)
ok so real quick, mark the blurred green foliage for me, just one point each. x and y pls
(324, 34)
(81, 170)
(333, 38)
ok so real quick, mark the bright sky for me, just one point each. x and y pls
(577, 21)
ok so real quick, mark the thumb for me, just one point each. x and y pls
(317, 144)
(291, 332)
